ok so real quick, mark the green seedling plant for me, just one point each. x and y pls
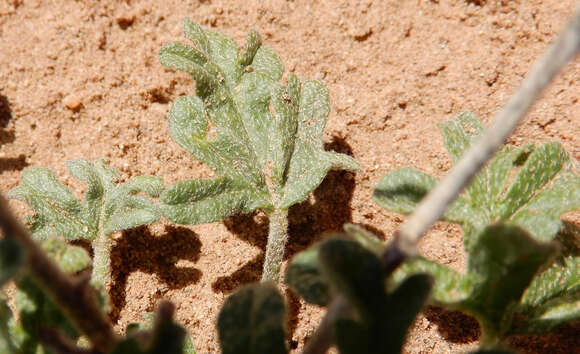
(45, 327)
(38, 315)
(523, 272)
(262, 139)
(108, 206)
(252, 320)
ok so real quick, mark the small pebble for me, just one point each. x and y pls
(72, 102)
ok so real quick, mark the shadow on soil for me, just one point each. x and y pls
(139, 250)
(564, 340)
(327, 211)
(454, 326)
(7, 136)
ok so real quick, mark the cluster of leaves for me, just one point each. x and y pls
(523, 271)
(36, 311)
(252, 320)
(108, 206)
(263, 140)
(43, 327)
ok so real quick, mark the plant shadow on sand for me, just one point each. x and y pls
(327, 211)
(139, 250)
(7, 136)
(457, 327)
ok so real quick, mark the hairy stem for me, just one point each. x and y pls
(101, 263)
(74, 296)
(276, 244)
(435, 203)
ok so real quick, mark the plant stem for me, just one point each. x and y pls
(101, 261)
(435, 203)
(74, 296)
(276, 244)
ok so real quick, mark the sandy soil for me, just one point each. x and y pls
(82, 79)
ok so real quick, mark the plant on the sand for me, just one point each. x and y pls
(262, 139)
(108, 206)
(56, 305)
(516, 280)
(252, 319)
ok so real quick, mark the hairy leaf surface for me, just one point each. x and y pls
(108, 206)
(252, 321)
(263, 139)
(521, 188)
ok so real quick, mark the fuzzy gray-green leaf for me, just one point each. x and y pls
(57, 210)
(196, 34)
(460, 133)
(69, 258)
(541, 167)
(252, 321)
(449, 287)
(310, 163)
(264, 137)
(206, 200)
(304, 276)
(107, 206)
(503, 264)
(179, 57)
(553, 297)
(402, 189)
(541, 214)
(253, 43)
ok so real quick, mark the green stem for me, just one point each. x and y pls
(277, 238)
(71, 294)
(4, 331)
(101, 263)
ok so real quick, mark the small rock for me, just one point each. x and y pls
(125, 21)
(72, 102)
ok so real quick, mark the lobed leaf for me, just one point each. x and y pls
(57, 210)
(107, 206)
(553, 297)
(524, 187)
(503, 264)
(263, 139)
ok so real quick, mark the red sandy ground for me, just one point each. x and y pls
(82, 79)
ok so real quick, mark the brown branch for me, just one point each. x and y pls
(436, 202)
(73, 295)
(53, 338)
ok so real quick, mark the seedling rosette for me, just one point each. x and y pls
(523, 271)
(262, 139)
(108, 206)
